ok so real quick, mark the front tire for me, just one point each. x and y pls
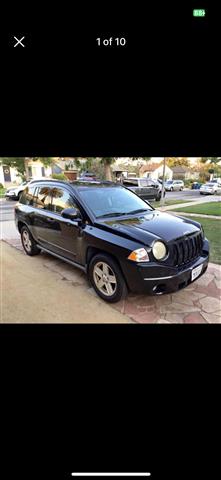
(106, 278)
(28, 242)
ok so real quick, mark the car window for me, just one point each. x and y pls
(42, 199)
(130, 183)
(27, 195)
(144, 182)
(61, 199)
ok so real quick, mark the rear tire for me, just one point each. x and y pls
(28, 242)
(106, 278)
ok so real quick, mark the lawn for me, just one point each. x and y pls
(212, 229)
(211, 208)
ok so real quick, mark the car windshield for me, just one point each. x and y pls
(209, 184)
(169, 181)
(112, 201)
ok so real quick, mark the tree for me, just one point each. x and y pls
(213, 167)
(177, 161)
(107, 169)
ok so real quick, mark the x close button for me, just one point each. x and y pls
(19, 41)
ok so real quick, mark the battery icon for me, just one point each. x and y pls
(199, 12)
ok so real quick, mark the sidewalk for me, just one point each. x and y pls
(185, 214)
(190, 204)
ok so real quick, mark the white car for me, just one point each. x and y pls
(15, 192)
(210, 188)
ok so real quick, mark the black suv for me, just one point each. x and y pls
(120, 241)
(144, 187)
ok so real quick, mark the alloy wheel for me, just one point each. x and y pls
(105, 278)
(26, 240)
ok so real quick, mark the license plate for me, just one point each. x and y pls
(196, 272)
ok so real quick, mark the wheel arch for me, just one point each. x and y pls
(92, 251)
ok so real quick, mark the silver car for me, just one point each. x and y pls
(210, 188)
(171, 185)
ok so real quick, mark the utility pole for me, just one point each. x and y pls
(163, 181)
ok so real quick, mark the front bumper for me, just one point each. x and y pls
(157, 279)
(11, 195)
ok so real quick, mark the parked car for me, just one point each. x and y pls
(88, 176)
(171, 185)
(15, 192)
(144, 187)
(210, 188)
(216, 180)
(121, 242)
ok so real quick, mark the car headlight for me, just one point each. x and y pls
(159, 250)
(139, 255)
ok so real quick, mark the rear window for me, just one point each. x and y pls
(144, 182)
(28, 195)
(130, 182)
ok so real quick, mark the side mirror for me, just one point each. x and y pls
(71, 214)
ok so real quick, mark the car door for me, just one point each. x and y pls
(66, 234)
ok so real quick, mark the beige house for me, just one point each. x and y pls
(184, 173)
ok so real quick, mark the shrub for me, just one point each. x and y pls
(1, 186)
(59, 176)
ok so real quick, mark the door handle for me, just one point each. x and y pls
(50, 219)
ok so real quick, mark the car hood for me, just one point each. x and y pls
(148, 227)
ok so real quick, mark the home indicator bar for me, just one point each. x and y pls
(111, 474)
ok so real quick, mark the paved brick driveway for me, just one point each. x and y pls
(198, 303)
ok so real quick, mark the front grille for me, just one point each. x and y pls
(187, 249)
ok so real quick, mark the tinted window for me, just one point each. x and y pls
(42, 198)
(61, 199)
(130, 183)
(27, 196)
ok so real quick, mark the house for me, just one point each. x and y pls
(184, 173)
(155, 171)
(9, 176)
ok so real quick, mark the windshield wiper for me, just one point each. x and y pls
(140, 210)
(113, 214)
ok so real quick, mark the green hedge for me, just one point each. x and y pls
(59, 176)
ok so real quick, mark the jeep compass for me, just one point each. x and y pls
(120, 241)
